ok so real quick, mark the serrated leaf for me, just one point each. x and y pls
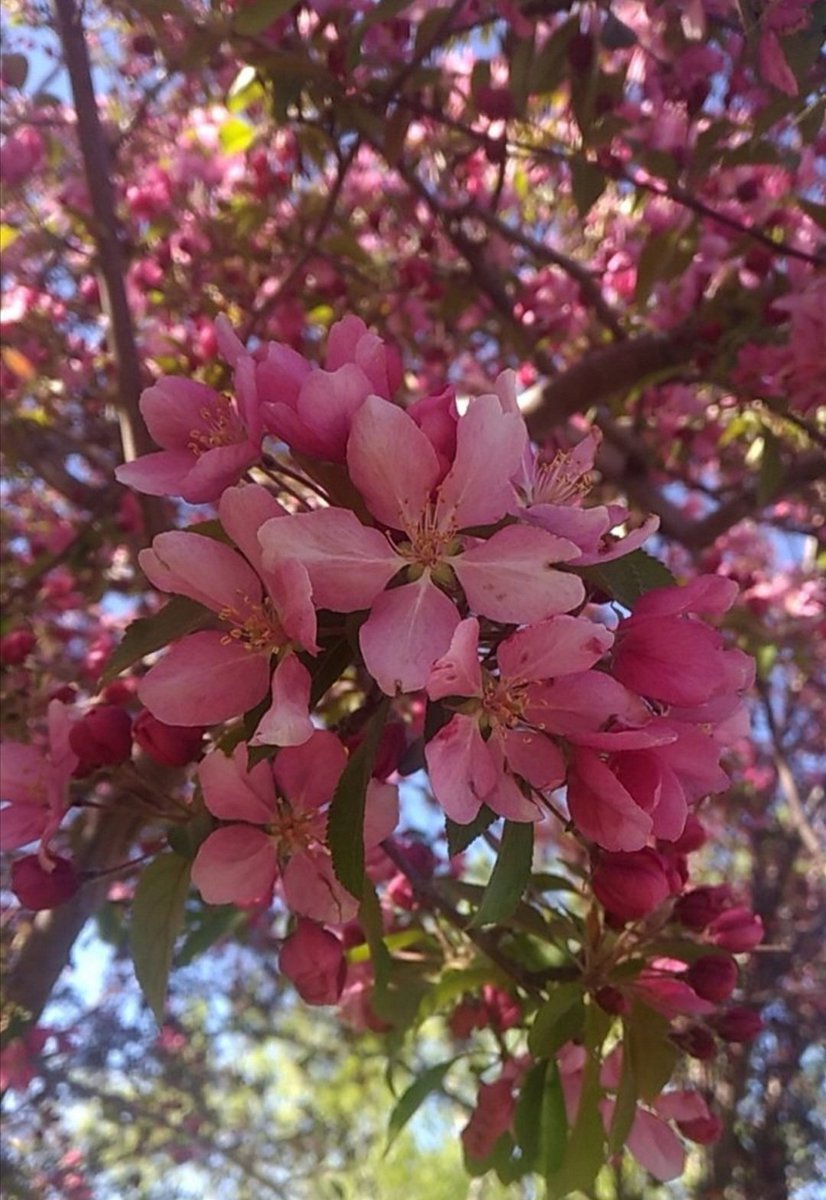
(542, 1038)
(509, 877)
(459, 837)
(236, 135)
(259, 15)
(179, 616)
(214, 922)
(540, 1123)
(587, 184)
(651, 1052)
(628, 578)
(345, 821)
(157, 917)
(411, 1101)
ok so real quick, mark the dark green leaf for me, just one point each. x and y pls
(565, 999)
(179, 616)
(345, 823)
(157, 916)
(370, 919)
(214, 922)
(626, 1103)
(451, 985)
(628, 578)
(649, 1049)
(772, 469)
(587, 184)
(411, 1101)
(540, 1123)
(459, 837)
(187, 839)
(550, 64)
(254, 18)
(510, 875)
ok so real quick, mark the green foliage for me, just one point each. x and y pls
(345, 823)
(157, 918)
(509, 877)
(628, 578)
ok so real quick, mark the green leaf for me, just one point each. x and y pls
(543, 1038)
(459, 837)
(179, 616)
(345, 822)
(540, 1123)
(157, 917)
(587, 184)
(411, 1101)
(187, 839)
(370, 919)
(213, 922)
(549, 65)
(259, 15)
(649, 1049)
(585, 1150)
(626, 1101)
(236, 135)
(451, 985)
(509, 877)
(628, 578)
(772, 469)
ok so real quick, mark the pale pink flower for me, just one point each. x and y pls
(509, 577)
(278, 828)
(212, 675)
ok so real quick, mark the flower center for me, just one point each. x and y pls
(294, 831)
(429, 541)
(561, 481)
(503, 702)
(255, 625)
(219, 428)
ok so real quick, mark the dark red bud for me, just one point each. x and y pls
(172, 745)
(696, 1042)
(611, 1000)
(313, 959)
(37, 888)
(103, 738)
(702, 1130)
(16, 646)
(738, 1025)
(713, 977)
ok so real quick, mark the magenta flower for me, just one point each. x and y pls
(509, 578)
(208, 439)
(35, 782)
(213, 675)
(479, 755)
(278, 829)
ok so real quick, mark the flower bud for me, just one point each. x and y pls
(503, 1009)
(696, 1042)
(36, 887)
(467, 1016)
(16, 646)
(738, 930)
(631, 885)
(172, 745)
(313, 960)
(692, 838)
(400, 892)
(611, 1000)
(738, 1025)
(713, 977)
(698, 908)
(103, 738)
(702, 1130)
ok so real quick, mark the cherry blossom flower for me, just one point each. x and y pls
(212, 675)
(510, 577)
(35, 782)
(277, 828)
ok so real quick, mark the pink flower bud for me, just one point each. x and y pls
(631, 885)
(738, 930)
(103, 738)
(494, 1111)
(611, 1000)
(313, 960)
(467, 1016)
(692, 838)
(16, 646)
(503, 1009)
(400, 892)
(696, 1042)
(172, 745)
(37, 888)
(714, 977)
(702, 1130)
(698, 908)
(738, 1025)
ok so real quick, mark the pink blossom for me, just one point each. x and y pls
(277, 827)
(213, 675)
(631, 885)
(35, 782)
(476, 758)
(313, 960)
(206, 440)
(508, 578)
(493, 1115)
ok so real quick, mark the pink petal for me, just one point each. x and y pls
(327, 404)
(172, 409)
(462, 769)
(312, 890)
(682, 1105)
(656, 1146)
(477, 490)
(21, 823)
(243, 510)
(307, 775)
(236, 865)
(159, 474)
(230, 345)
(458, 673)
(381, 812)
(24, 773)
(559, 646)
(534, 757)
(507, 800)
(712, 594)
(391, 462)
(511, 578)
(582, 526)
(602, 809)
(408, 629)
(576, 705)
(289, 586)
(348, 563)
(202, 568)
(670, 658)
(234, 793)
(203, 680)
(217, 470)
(287, 721)
(623, 545)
